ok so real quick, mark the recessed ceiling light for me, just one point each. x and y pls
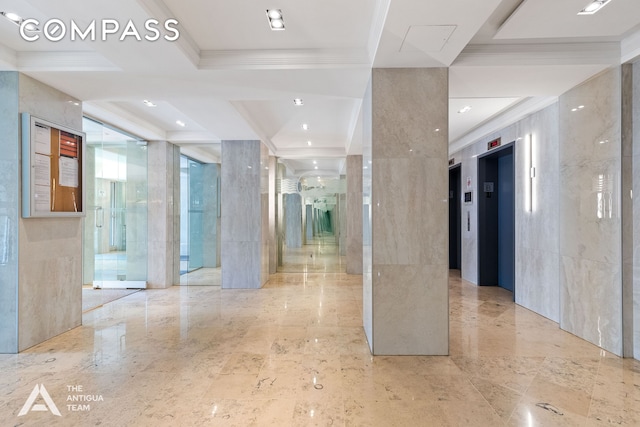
(316, 167)
(464, 109)
(580, 107)
(274, 13)
(13, 17)
(309, 143)
(31, 27)
(180, 123)
(276, 20)
(593, 7)
(149, 103)
(298, 101)
(315, 163)
(305, 126)
(437, 130)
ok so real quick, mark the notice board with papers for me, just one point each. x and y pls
(52, 169)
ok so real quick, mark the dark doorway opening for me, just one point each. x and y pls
(496, 219)
(455, 218)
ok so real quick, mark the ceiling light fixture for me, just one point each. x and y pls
(298, 101)
(317, 168)
(593, 7)
(18, 20)
(315, 163)
(180, 123)
(276, 20)
(309, 143)
(305, 126)
(464, 109)
(149, 103)
(13, 17)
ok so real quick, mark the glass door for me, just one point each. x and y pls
(115, 230)
(192, 215)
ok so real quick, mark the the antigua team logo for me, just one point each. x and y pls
(31, 405)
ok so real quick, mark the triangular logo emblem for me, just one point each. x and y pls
(31, 405)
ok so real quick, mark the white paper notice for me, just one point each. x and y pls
(42, 138)
(42, 170)
(42, 198)
(68, 172)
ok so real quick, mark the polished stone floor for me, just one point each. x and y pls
(294, 354)
(318, 255)
(94, 298)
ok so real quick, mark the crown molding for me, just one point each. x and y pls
(539, 54)
(191, 137)
(283, 59)
(630, 47)
(64, 61)
(318, 152)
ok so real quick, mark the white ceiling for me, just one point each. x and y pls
(230, 77)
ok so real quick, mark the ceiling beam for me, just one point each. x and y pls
(539, 54)
(283, 59)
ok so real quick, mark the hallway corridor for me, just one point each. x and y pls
(294, 354)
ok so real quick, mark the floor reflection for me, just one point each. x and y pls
(294, 353)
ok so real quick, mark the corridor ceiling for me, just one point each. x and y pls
(229, 76)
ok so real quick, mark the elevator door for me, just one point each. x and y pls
(506, 222)
(454, 218)
(496, 219)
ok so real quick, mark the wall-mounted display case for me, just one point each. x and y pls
(52, 169)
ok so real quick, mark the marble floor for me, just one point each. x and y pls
(94, 298)
(320, 255)
(294, 354)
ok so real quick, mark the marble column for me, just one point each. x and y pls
(273, 215)
(342, 223)
(409, 196)
(245, 215)
(354, 215)
(210, 220)
(309, 222)
(49, 249)
(590, 216)
(280, 174)
(631, 147)
(293, 220)
(163, 215)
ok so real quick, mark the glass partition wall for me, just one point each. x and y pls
(199, 223)
(115, 228)
(191, 214)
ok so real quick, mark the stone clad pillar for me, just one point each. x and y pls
(245, 216)
(407, 281)
(354, 215)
